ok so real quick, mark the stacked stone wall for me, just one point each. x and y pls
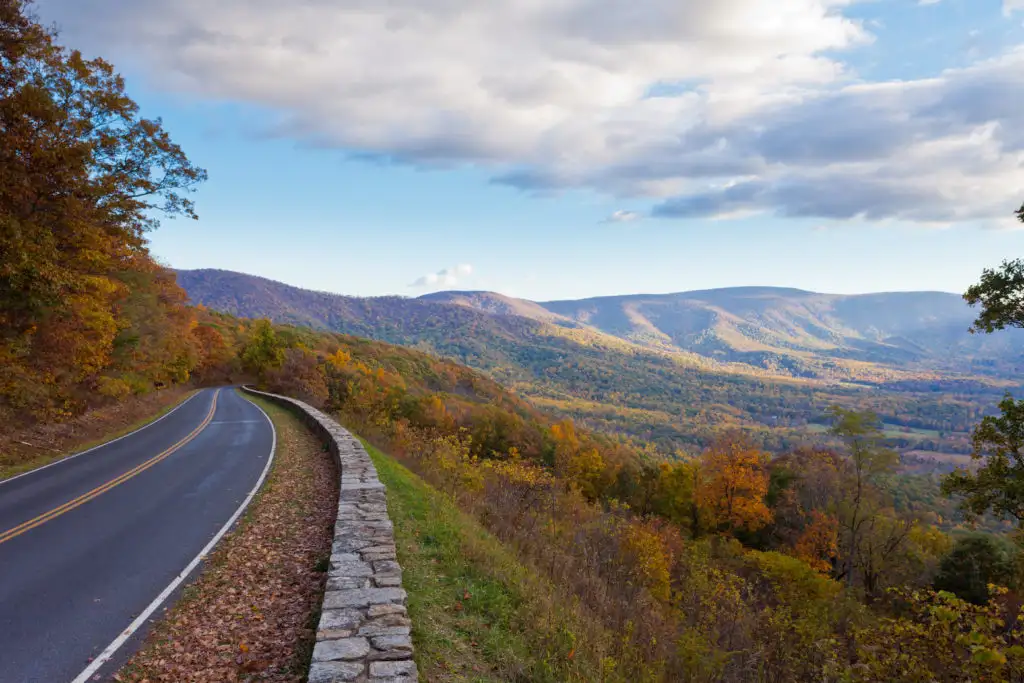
(364, 634)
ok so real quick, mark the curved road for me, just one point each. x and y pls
(89, 543)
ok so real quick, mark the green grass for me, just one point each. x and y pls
(890, 431)
(896, 431)
(478, 614)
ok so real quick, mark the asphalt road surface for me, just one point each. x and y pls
(92, 543)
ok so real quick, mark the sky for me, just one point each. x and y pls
(555, 149)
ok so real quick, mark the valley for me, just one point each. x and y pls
(673, 370)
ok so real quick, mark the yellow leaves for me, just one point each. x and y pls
(644, 550)
(581, 466)
(112, 387)
(564, 434)
(675, 491)
(449, 457)
(339, 359)
(937, 635)
(733, 483)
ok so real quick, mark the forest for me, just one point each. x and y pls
(718, 561)
(673, 399)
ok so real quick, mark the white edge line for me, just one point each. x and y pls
(103, 445)
(112, 649)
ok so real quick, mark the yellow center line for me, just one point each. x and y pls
(103, 488)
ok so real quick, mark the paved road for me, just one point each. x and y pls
(87, 544)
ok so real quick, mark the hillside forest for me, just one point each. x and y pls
(721, 560)
(767, 361)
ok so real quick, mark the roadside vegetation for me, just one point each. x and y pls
(87, 317)
(720, 562)
(723, 565)
(251, 614)
(478, 613)
(43, 443)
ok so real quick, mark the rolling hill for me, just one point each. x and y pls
(674, 368)
(787, 330)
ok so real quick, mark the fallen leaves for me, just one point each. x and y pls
(249, 616)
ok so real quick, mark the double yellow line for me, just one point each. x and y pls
(103, 488)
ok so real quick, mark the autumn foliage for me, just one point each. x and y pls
(84, 310)
(720, 565)
(733, 484)
(725, 565)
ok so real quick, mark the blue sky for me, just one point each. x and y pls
(832, 145)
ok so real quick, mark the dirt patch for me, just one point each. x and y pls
(36, 446)
(251, 615)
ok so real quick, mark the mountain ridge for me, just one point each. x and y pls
(781, 330)
(674, 374)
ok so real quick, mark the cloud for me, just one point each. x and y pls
(623, 217)
(711, 108)
(928, 2)
(1011, 6)
(937, 151)
(446, 277)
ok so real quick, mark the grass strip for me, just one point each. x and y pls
(478, 614)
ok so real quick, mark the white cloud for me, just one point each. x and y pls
(1011, 6)
(446, 277)
(623, 217)
(719, 108)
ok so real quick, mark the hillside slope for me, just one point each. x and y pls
(782, 329)
(585, 359)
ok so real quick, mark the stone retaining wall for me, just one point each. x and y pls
(364, 632)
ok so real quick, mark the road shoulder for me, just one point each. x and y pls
(30, 449)
(252, 613)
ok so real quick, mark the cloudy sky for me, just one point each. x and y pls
(568, 148)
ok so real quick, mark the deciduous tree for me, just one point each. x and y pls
(976, 561)
(870, 462)
(998, 483)
(1000, 293)
(83, 177)
(733, 484)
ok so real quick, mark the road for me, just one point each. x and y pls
(92, 543)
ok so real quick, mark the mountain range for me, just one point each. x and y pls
(783, 331)
(672, 369)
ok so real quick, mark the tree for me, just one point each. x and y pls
(998, 485)
(870, 463)
(82, 178)
(580, 465)
(733, 484)
(1001, 295)
(674, 494)
(300, 376)
(818, 545)
(263, 351)
(975, 561)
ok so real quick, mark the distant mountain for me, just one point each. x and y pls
(783, 331)
(673, 368)
(790, 330)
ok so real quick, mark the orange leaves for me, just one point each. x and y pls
(82, 304)
(818, 545)
(732, 484)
